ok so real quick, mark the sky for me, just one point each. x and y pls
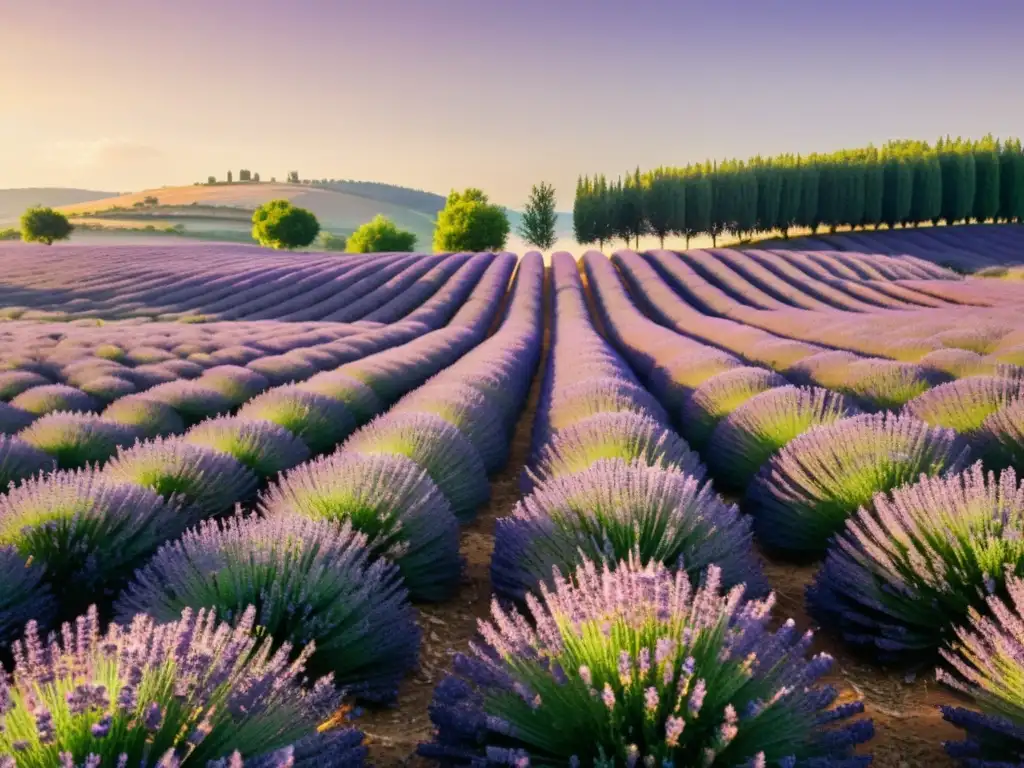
(123, 95)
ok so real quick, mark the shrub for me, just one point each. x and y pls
(744, 441)
(13, 383)
(964, 404)
(13, 419)
(719, 396)
(76, 440)
(264, 447)
(87, 533)
(1001, 437)
(108, 388)
(357, 396)
(675, 381)
(44, 225)
(279, 224)
(234, 382)
(25, 595)
(53, 397)
(468, 222)
(282, 369)
(625, 436)
(806, 492)
(446, 454)
(320, 422)
(633, 666)
(19, 460)
(592, 396)
(313, 582)
(986, 664)
(885, 384)
(209, 481)
(902, 576)
(191, 400)
(380, 235)
(393, 501)
(151, 418)
(465, 408)
(614, 509)
(193, 692)
(332, 242)
(10, 233)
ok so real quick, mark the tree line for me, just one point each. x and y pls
(903, 183)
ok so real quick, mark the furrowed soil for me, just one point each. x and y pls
(909, 730)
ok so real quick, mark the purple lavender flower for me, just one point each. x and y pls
(19, 460)
(53, 397)
(904, 574)
(441, 449)
(360, 399)
(209, 481)
(264, 447)
(190, 399)
(25, 595)
(245, 698)
(234, 382)
(985, 659)
(86, 532)
(13, 383)
(744, 441)
(803, 496)
(150, 418)
(108, 388)
(719, 396)
(77, 440)
(596, 717)
(389, 498)
(964, 404)
(614, 509)
(313, 581)
(319, 421)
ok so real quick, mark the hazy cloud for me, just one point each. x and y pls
(107, 153)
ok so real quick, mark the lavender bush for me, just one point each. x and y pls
(964, 404)
(208, 481)
(87, 533)
(361, 401)
(634, 666)
(234, 382)
(625, 436)
(13, 383)
(903, 575)
(108, 388)
(191, 692)
(986, 663)
(389, 498)
(744, 441)
(19, 460)
(579, 401)
(25, 595)
(806, 492)
(190, 399)
(312, 581)
(76, 440)
(13, 420)
(319, 421)
(615, 509)
(721, 395)
(151, 418)
(1001, 437)
(53, 397)
(441, 449)
(262, 446)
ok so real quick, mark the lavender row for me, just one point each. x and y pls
(618, 662)
(75, 439)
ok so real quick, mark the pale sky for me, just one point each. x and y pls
(120, 95)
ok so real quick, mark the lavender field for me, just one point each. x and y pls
(718, 507)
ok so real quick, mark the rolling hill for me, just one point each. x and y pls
(13, 202)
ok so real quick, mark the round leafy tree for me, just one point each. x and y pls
(279, 224)
(44, 225)
(380, 235)
(194, 692)
(634, 666)
(469, 222)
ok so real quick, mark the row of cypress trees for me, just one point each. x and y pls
(905, 183)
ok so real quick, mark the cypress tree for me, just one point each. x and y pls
(874, 189)
(809, 183)
(1011, 181)
(851, 191)
(789, 194)
(699, 202)
(584, 222)
(769, 196)
(604, 204)
(986, 179)
(828, 196)
(899, 187)
(662, 199)
(723, 201)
